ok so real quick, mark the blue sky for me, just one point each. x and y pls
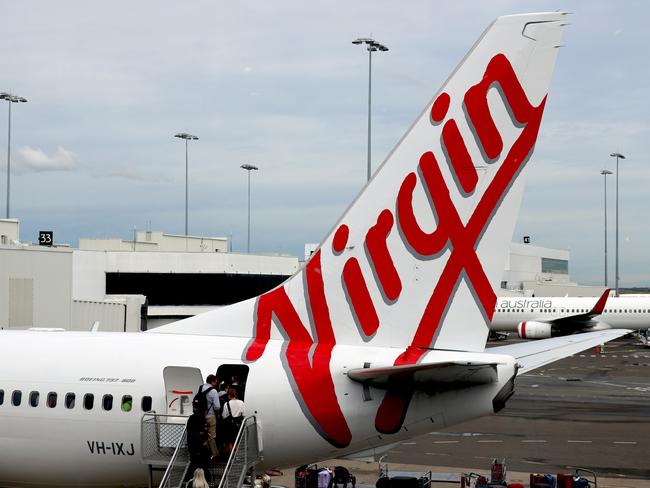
(279, 84)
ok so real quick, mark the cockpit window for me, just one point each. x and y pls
(2, 397)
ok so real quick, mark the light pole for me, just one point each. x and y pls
(187, 137)
(371, 46)
(249, 168)
(10, 99)
(616, 277)
(605, 172)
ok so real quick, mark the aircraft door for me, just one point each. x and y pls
(181, 384)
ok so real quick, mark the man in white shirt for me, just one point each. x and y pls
(211, 415)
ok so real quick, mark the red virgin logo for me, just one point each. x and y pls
(307, 358)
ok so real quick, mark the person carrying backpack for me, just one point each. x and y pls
(207, 400)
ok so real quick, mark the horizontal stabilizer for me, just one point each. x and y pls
(427, 377)
(535, 354)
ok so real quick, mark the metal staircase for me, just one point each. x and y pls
(246, 453)
(164, 443)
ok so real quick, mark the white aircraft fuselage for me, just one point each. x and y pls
(95, 447)
(619, 312)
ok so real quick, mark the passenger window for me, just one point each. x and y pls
(51, 399)
(33, 398)
(69, 400)
(146, 404)
(107, 402)
(16, 398)
(127, 403)
(89, 401)
(2, 397)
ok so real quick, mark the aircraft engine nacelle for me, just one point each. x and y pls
(534, 330)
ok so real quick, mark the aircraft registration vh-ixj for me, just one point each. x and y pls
(378, 338)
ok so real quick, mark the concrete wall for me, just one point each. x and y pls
(158, 242)
(9, 231)
(114, 314)
(88, 275)
(176, 243)
(111, 316)
(180, 262)
(35, 287)
(561, 290)
(524, 266)
(115, 245)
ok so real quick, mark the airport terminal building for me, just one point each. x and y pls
(157, 278)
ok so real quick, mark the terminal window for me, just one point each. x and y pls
(557, 266)
(192, 289)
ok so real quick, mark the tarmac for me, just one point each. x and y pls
(591, 410)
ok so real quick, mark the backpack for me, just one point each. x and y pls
(233, 423)
(200, 401)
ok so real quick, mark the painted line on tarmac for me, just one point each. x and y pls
(580, 442)
(534, 441)
(409, 443)
(625, 442)
(488, 442)
(445, 442)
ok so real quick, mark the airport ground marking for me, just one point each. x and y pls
(445, 442)
(579, 442)
(625, 442)
(531, 441)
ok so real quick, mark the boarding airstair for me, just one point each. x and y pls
(164, 446)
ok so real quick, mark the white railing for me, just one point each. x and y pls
(159, 437)
(245, 455)
(177, 468)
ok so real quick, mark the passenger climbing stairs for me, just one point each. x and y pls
(164, 447)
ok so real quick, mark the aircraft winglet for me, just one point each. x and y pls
(600, 304)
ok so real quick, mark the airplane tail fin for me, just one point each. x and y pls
(599, 307)
(414, 261)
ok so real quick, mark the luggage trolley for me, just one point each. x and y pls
(401, 479)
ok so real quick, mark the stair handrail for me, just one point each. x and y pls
(172, 462)
(248, 422)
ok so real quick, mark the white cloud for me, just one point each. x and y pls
(30, 160)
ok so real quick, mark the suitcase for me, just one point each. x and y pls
(404, 482)
(542, 481)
